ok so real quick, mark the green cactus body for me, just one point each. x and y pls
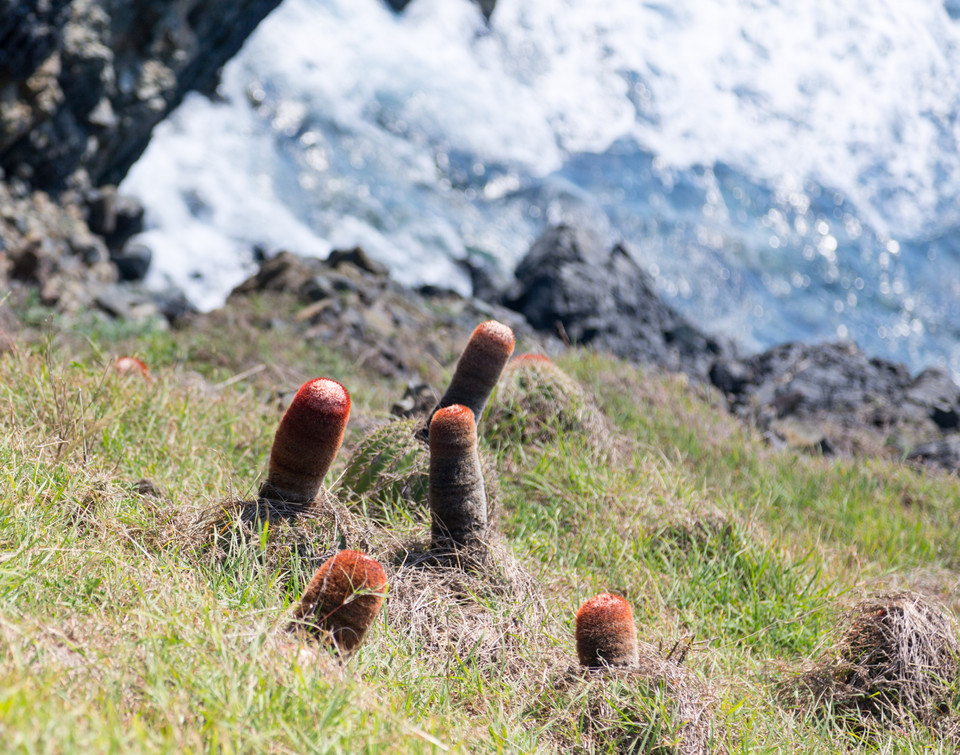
(537, 401)
(389, 467)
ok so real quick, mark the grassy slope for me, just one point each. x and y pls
(114, 636)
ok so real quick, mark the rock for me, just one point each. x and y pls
(934, 391)
(486, 6)
(133, 262)
(730, 376)
(115, 217)
(943, 453)
(83, 83)
(359, 259)
(858, 404)
(569, 285)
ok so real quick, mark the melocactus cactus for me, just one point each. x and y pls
(538, 402)
(343, 599)
(307, 442)
(479, 368)
(458, 501)
(605, 633)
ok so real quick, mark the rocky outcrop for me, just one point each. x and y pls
(349, 302)
(82, 84)
(835, 396)
(568, 284)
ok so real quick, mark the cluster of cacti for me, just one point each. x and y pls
(345, 594)
(342, 600)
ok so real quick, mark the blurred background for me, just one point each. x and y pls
(785, 171)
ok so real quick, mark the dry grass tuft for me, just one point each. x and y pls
(657, 707)
(283, 533)
(475, 604)
(898, 661)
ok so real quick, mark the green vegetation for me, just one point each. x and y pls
(118, 633)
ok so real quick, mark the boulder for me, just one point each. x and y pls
(568, 284)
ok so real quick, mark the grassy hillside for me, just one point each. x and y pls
(123, 629)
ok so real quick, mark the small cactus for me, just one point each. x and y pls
(605, 633)
(478, 368)
(458, 501)
(343, 599)
(306, 443)
(389, 466)
(538, 402)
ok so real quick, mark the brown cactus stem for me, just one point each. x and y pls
(458, 501)
(606, 635)
(479, 368)
(307, 442)
(343, 599)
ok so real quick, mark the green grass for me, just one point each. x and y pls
(117, 635)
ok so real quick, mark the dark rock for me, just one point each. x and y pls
(417, 401)
(568, 284)
(317, 288)
(803, 378)
(133, 262)
(943, 453)
(730, 376)
(486, 6)
(858, 404)
(934, 392)
(85, 82)
(359, 259)
(115, 217)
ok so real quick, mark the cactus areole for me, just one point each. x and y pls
(307, 441)
(343, 599)
(606, 635)
(479, 367)
(458, 501)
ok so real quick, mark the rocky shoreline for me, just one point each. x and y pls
(81, 86)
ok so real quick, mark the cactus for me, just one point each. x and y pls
(458, 502)
(306, 443)
(478, 368)
(538, 402)
(343, 599)
(605, 633)
(387, 467)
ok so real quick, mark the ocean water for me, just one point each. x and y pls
(785, 170)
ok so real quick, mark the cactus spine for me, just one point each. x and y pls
(458, 501)
(606, 635)
(343, 599)
(307, 442)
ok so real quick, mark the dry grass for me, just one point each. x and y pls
(659, 707)
(898, 661)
